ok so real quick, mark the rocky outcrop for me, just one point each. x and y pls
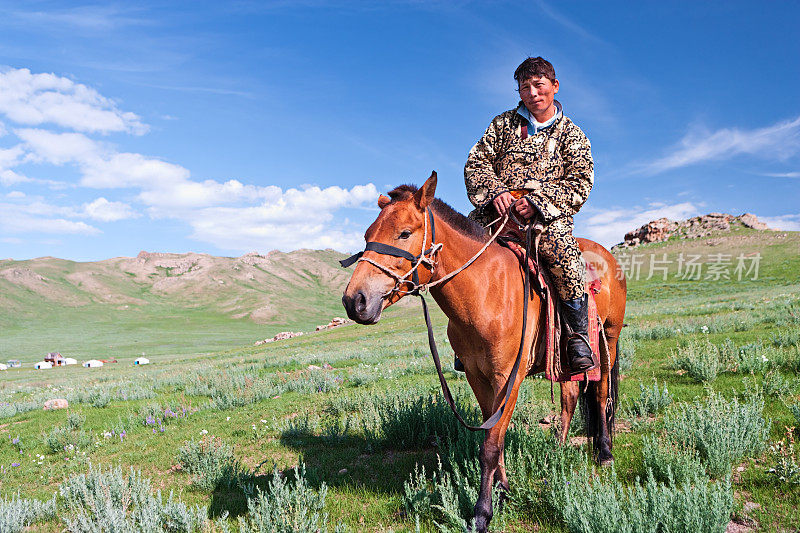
(662, 229)
(283, 335)
(335, 323)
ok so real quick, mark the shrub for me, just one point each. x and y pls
(75, 420)
(651, 400)
(626, 354)
(670, 462)
(135, 391)
(287, 507)
(795, 410)
(18, 513)
(784, 465)
(786, 338)
(99, 397)
(112, 501)
(412, 423)
(776, 385)
(721, 431)
(209, 461)
(701, 360)
(62, 439)
(601, 503)
(363, 376)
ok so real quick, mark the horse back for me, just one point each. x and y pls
(613, 291)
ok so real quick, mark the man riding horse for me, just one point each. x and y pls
(535, 147)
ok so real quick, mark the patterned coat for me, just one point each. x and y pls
(555, 164)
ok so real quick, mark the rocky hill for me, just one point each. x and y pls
(260, 288)
(702, 226)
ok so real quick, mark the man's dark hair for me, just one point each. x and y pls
(535, 67)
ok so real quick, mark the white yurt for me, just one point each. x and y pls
(141, 361)
(43, 365)
(93, 363)
(70, 361)
(3, 366)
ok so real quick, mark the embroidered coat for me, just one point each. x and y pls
(555, 164)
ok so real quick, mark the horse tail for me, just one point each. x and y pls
(590, 409)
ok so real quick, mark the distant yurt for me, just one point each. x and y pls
(93, 363)
(43, 365)
(3, 366)
(141, 361)
(70, 361)
(14, 363)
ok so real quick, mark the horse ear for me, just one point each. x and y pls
(383, 201)
(424, 196)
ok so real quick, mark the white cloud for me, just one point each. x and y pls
(15, 194)
(294, 219)
(608, 227)
(779, 141)
(784, 222)
(228, 214)
(35, 99)
(105, 211)
(782, 174)
(39, 218)
(57, 148)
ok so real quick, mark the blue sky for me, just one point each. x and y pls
(247, 126)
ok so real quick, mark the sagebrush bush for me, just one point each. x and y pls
(747, 359)
(786, 338)
(652, 333)
(651, 400)
(670, 461)
(794, 408)
(783, 462)
(403, 422)
(75, 420)
(99, 397)
(287, 506)
(109, 500)
(209, 461)
(62, 439)
(17, 513)
(721, 431)
(626, 354)
(589, 504)
(776, 385)
(700, 359)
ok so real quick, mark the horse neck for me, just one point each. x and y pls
(457, 249)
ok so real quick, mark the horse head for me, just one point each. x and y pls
(401, 233)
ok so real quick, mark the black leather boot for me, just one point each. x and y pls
(458, 366)
(576, 315)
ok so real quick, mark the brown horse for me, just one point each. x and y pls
(484, 305)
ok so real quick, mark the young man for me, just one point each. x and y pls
(537, 148)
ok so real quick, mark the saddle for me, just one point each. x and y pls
(550, 350)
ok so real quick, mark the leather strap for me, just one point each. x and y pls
(495, 418)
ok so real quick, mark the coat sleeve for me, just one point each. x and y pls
(479, 172)
(564, 197)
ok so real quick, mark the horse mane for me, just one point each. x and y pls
(462, 224)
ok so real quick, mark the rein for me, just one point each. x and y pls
(427, 257)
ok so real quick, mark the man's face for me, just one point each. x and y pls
(538, 94)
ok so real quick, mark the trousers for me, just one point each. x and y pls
(562, 257)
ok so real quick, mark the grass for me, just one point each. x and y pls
(375, 441)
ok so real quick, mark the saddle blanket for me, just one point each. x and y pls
(550, 354)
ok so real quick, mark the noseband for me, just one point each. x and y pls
(425, 257)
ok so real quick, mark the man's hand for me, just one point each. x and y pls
(525, 209)
(502, 202)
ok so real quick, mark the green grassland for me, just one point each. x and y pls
(357, 405)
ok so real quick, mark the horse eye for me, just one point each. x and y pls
(405, 234)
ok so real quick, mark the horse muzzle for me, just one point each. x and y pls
(363, 307)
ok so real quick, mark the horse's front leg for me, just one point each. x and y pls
(491, 458)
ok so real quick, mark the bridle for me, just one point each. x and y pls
(427, 257)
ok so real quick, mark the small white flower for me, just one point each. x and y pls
(227, 418)
(254, 426)
(704, 329)
(263, 421)
(764, 358)
(204, 432)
